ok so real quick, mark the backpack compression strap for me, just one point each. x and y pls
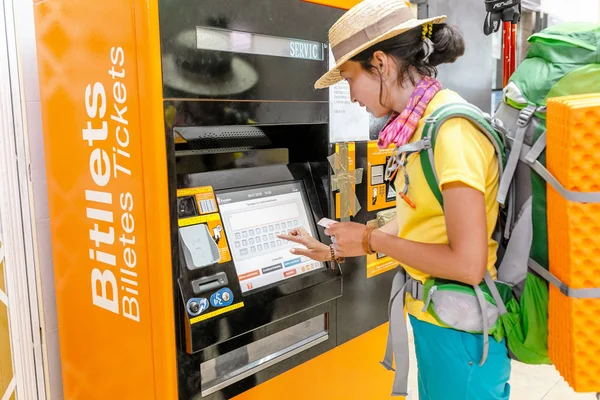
(432, 127)
(397, 341)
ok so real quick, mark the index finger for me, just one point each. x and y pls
(293, 238)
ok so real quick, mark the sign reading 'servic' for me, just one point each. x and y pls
(252, 43)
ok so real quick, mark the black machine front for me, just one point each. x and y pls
(248, 139)
(237, 278)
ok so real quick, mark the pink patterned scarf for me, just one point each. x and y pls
(400, 127)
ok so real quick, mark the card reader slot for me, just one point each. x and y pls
(208, 283)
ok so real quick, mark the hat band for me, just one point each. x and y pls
(371, 32)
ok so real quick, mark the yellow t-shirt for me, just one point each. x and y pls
(462, 154)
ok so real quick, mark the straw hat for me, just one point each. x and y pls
(205, 72)
(368, 23)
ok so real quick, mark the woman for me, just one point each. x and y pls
(389, 60)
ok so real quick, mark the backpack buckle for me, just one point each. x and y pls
(426, 142)
(525, 115)
(416, 289)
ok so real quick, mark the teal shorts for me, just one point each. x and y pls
(448, 365)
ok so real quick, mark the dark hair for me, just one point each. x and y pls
(410, 52)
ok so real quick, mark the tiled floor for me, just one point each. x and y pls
(528, 382)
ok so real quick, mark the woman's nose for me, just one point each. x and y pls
(352, 98)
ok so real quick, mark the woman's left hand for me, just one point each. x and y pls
(348, 238)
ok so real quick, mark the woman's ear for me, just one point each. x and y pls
(380, 62)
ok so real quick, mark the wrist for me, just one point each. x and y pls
(366, 242)
(325, 254)
(374, 240)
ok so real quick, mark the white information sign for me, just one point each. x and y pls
(347, 121)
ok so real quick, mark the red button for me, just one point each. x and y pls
(289, 273)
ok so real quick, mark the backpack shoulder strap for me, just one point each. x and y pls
(432, 127)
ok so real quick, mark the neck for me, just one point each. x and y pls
(401, 95)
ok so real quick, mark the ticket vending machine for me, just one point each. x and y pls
(247, 147)
(179, 143)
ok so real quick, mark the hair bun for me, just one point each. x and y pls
(448, 44)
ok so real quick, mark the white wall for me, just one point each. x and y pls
(31, 106)
(573, 10)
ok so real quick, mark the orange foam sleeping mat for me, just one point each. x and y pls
(573, 157)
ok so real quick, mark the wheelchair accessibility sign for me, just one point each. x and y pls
(222, 298)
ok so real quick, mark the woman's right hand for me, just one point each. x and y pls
(313, 248)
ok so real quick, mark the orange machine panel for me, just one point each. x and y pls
(343, 4)
(107, 186)
(573, 156)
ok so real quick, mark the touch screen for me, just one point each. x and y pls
(252, 219)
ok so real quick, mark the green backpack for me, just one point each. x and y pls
(562, 60)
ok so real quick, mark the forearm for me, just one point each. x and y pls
(391, 228)
(438, 260)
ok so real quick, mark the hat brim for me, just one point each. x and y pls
(333, 76)
(243, 78)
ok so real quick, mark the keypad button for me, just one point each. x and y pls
(244, 234)
(271, 236)
(266, 246)
(253, 249)
(244, 252)
(259, 247)
(272, 244)
(295, 222)
(289, 224)
(237, 245)
(244, 243)
(271, 228)
(257, 239)
(251, 232)
(264, 238)
(237, 235)
(251, 240)
(264, 229)
(276, 226)
(279, 243)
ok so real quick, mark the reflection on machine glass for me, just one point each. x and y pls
(391, 193)
(253, 218)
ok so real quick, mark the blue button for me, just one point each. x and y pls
(292, 262)
(222, 298)
(200, 304)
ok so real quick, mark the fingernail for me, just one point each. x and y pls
(293, 251)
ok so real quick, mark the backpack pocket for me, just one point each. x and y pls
(455, 305)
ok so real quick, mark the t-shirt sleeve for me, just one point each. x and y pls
(462, 154)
